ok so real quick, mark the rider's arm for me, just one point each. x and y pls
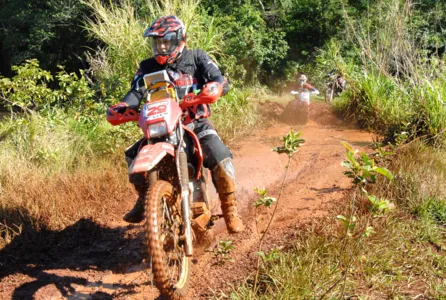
(215, 84)
(311, 88)
(209, 70)
(133, 97)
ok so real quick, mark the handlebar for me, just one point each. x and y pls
(306, 91)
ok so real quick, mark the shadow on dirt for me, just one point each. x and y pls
(83, 246)
(328, 190)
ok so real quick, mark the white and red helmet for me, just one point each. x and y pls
(167, 38)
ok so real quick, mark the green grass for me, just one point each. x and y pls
(395, 262)
(403, 258)
(234, 115)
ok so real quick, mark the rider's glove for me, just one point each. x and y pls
(209, 94)
(121, 113)
(188, 100)
(119, 108)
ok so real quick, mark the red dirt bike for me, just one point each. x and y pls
(176, 203)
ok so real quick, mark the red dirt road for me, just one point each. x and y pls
(92, 261)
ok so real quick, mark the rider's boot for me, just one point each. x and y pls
(136, 214)
(223, 176)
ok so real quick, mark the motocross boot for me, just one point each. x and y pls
(223, 176)
(136, 214)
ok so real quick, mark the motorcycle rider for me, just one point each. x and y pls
(340, 83)
(302, 84)
(190, 70)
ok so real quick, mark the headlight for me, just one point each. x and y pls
(158, 129)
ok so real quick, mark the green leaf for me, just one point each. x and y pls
(346, 164)
(347, 146)
(385, 172)
(351, 158)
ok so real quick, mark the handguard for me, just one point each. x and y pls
(209, 94)
(120, 113)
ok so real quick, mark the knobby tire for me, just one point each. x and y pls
(163, 225)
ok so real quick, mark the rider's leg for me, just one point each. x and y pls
(218, 159)
(136, 214)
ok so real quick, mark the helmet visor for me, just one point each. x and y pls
(164, 45)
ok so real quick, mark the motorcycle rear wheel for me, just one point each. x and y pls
(170, 265)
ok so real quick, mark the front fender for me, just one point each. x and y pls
(149, 156)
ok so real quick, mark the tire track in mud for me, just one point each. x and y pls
(112, 266)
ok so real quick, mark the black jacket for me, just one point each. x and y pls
(193, 62)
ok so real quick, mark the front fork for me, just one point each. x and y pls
(183, 173)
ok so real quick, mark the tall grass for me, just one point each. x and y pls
(234, 115)
(397, 88)
(121, 29)
(57, 168)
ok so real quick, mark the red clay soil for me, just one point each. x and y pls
(106, 261)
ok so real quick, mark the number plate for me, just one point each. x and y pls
(156, 110)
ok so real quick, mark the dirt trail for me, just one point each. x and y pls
(91, 261)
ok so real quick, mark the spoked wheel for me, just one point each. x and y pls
(171, 268)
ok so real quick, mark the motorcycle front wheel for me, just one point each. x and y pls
(170, 265)
(304, 116)
(328, 95)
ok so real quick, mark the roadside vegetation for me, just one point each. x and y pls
(389, 242)
(396, 74)
(61, 161)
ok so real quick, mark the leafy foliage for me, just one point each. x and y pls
(49, 31)
(222, 252)
(291, 142)
(362, 171)
(29, 91)
(251, 46)
(264, 199)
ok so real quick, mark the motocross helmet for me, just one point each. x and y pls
(302, 79)
(167, 38)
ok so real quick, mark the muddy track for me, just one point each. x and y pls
(93, 261)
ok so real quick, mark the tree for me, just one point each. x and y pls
(49, 30)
